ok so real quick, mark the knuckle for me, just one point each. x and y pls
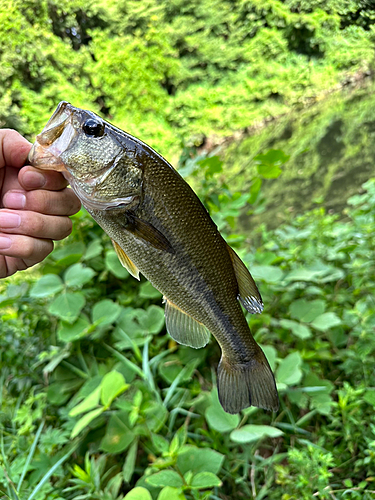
(65, 228)
(28, 248)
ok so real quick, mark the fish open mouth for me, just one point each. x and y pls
(54, 139)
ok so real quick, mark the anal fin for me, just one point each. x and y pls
(248, 292)
(183, 328)
(125, 261)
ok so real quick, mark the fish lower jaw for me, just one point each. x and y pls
(42, 158)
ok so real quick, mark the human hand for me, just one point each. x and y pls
(34, 207)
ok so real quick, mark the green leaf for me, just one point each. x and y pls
(326, 321)
(271, 274)
(299, 330)
(369, 396)
(69, 332)
(199, 460)
(114, 265)
(170, 493)
(303, 274)
(129, 465)
(118, 436)
(151, 320)
(250, 433)
(307, 311)
(256, 184)
(67, 306)
(165, 478)
(218, 419)
(269, 171)
(47, 285)
(205, 480)
(85, 420)
(105, 312)
(147, 291)
(93, 250)
(87, 404)
(138, 493)
(68, 254)
(289, 371)
(78, 275)
(273, 156)
(271, 355)
(112, 385)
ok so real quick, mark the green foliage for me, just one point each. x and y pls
(97, 402)
(132, 415)
(175, 72)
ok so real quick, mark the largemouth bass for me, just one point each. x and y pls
(160, 228)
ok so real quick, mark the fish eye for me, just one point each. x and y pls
(93, 127)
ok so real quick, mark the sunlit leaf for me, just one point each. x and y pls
(218, 419)
(289, 371)
(87, 404)
(199, 460)
(105, 312)
(298, 329)
(250, 433)
(112, 385)
(326, 321)
(305, 310)
(138, 493)
(85, 420)
(78, 275)
(204, 480)
(113, 265)
(67, 306)
(165, 478)
(47, 285)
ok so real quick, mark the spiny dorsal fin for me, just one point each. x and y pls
(183, 328)
(249, 295)
(125, 261)
(147, 232)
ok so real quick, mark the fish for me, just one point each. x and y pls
(161, 229)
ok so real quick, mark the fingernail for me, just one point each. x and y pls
(34, 180)
(5, 243)
(14, 199)
(8, 220)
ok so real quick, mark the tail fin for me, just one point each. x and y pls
(244, 384)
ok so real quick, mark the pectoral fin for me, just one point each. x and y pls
(183, 328)
(147, 232)
(249, 295)
(125, 261)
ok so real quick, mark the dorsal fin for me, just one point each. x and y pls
(249, 295)
(125, 261)
(183, 328)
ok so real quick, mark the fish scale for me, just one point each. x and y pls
(160, 228)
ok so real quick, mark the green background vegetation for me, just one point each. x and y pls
(97, 401)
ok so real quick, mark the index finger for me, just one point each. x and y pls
(13, 148)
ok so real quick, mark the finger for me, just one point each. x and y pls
(10, 265)
(13, 148)
(34, 224)
(63, 202)
(25, 247)
(33, 178)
